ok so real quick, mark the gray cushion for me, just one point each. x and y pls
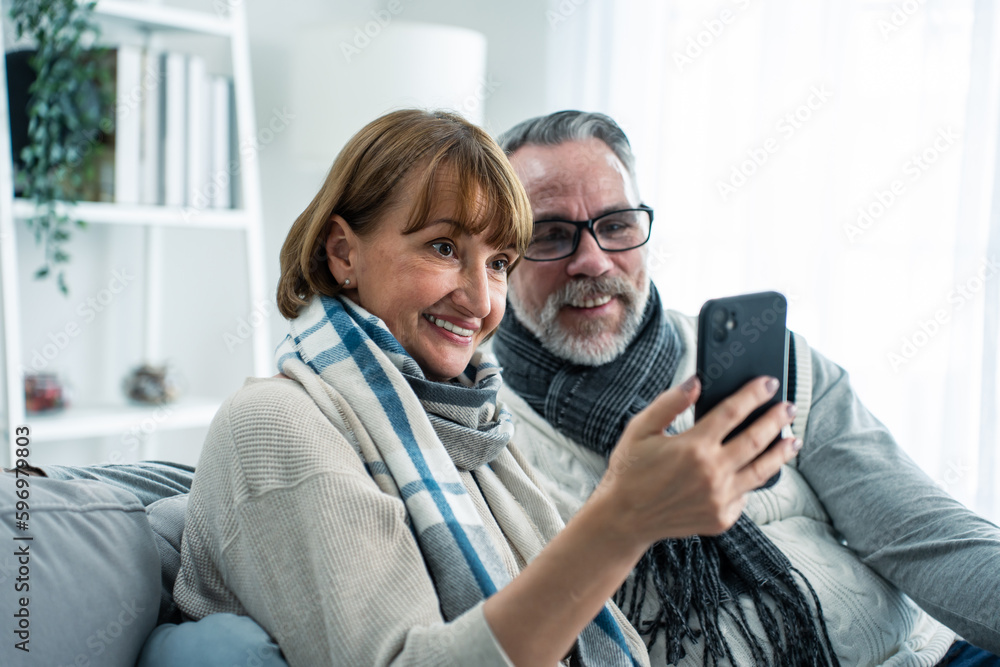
(93, 573)
(166, 518)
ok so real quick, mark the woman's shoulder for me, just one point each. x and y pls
(274, 423)
(278, 390)
(269, 401)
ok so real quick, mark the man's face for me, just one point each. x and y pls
(586, 307)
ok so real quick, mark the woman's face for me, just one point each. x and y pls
(439, 290)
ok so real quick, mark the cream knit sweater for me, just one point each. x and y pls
(285, 525)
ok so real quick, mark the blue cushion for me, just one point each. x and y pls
(217, 639)
(93, 573)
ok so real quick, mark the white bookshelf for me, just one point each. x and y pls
(95, 421)
(84, 419)
(101, 213)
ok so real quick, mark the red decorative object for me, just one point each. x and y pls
(43, 392)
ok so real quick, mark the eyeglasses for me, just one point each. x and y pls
(616, 231)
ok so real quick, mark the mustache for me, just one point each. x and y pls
(583, 288)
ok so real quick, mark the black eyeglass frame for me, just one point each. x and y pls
(589, 226)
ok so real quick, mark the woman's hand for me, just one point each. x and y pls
(656, 486)
(661, 486)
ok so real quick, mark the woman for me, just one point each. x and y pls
(365, 506)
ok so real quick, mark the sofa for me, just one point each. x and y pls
(92, 567)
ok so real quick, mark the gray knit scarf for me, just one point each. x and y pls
(695, 577)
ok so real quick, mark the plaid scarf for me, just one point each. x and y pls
(693, 577)
(417, 435)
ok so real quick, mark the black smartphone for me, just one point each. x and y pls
(740, 338)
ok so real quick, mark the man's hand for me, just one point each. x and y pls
(663, 486)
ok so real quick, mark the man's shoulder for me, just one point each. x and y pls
(686, 325)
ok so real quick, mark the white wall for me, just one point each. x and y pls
(205, 297)
(516, 34)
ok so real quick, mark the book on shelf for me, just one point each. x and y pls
(150, 148)
(128, 96)
(173, 128)
(222, 143)
(197, 133)
(197, 128)
(167, 129)
(235, 183)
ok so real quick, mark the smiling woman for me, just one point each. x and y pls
(419, 220)
(367, 506)
(347, 504)
(440, 288)
(397, 164)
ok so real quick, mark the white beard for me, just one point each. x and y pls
(592, 345)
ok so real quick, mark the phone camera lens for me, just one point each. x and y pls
(719, 316)
(718, 335)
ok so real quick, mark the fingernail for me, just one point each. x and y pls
(772, 385)
(791, 409)
(796, 445)
(690, 384)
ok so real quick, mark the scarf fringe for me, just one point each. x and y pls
(693, 580)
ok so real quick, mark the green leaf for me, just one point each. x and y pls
(64, 126)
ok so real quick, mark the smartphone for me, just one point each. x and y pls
(740, 338)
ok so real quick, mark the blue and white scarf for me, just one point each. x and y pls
(416, 437)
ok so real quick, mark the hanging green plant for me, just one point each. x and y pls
(67, 119)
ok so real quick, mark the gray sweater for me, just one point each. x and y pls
(906, 540)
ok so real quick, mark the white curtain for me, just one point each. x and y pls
(843, 152)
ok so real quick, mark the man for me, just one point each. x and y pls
(853, 536)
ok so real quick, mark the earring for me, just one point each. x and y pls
(347, 282)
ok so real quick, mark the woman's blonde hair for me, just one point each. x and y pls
(365, 181)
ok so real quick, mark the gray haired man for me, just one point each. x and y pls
(854, 557)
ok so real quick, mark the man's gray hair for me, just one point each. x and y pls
(563, 126)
